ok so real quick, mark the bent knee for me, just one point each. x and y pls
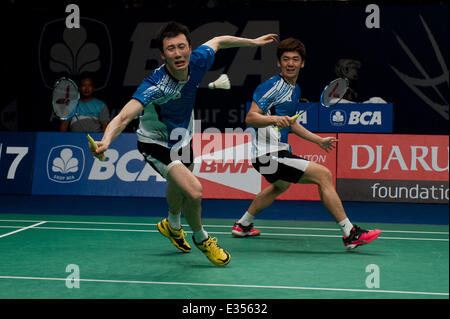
(281, 187)
(325, 176)
(195, 193)
(318, 174)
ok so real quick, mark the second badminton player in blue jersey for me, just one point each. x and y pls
(165, 101)
(274, 102)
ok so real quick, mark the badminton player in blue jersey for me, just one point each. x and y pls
(274, 102)
(165, 101)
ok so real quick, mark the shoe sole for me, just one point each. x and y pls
(217, 262)
(221, 263)
(240, 235)
(363, 242)
(161, 231)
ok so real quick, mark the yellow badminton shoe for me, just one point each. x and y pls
(218, 256)
(175, 236)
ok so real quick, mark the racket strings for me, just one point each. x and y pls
(334, 92)
(65, 99)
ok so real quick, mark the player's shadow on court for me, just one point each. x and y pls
(296, 246)
(321, 252)
(167, 253)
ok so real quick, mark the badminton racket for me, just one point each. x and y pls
(65, 98)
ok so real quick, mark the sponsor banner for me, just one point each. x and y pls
(223, 165)
(313, 153)
(393, 190)
(357, 117)
(16, 162)
(309, 116)
(390, 167)
(372, 167)
(64, 165)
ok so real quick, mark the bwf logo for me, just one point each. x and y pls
(65, 164)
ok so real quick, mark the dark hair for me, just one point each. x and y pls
(85, 77)
(289, 45)
(170, 30)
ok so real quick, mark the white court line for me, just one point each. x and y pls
(220, 226)
(76, 222)
(230, 285)
(222, 233)
(21, 229)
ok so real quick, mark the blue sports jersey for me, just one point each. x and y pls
(168, 115)
(274, 96)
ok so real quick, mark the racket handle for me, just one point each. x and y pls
(293, 118)
(94, 146)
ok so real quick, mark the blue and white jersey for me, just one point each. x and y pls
(274, 96)
(168, 115)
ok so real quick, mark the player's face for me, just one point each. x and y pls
(290, 64)
(176, 54)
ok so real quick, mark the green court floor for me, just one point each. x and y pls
(125, 257)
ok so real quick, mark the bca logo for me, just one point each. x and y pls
(65, 164)
(72, 51)
(338, 117)
(365, 118)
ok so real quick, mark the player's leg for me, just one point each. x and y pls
(275, 173)
(353, 235)
(158, 157)
(174, 200)
(244, 226)
(191, 189)
(320, 175)
(170, 227)
(266, 197)
(185, 194)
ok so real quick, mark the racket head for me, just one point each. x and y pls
(334, 92)
(65, 98)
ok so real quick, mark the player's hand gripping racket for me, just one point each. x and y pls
(65, 99)
(331, 95)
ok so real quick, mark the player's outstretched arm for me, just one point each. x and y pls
(228, 41)
(325, 143)
(132, 109)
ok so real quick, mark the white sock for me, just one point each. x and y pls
(346, 226)
(200, 236)
(246, 219)
(174, 221)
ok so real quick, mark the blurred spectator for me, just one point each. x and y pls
(93, 114)
(349, 69)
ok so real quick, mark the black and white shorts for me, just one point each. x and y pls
(281, 165)
(162, 158)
